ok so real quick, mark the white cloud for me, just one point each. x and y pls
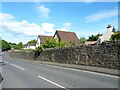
(7, 17)
(43, 11)
(102, 15)
(67, 24)
(48, 27)
(23, 28)
(66, 27)
(63, 29)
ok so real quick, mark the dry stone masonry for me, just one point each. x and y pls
(105, 55)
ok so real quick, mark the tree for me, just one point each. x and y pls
(12, 45)
(5, 45)
(115, 36)
(94, 37)
(82, 40)
(19, 46)
(32, 41)
(72, 43)
(61, 44)
(50, 43)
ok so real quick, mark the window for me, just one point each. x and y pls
(42, 37)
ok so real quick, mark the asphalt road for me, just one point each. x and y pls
(26, 74)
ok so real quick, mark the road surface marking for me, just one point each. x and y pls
(18, 67)
(5, 61)
(51, 82)
(85, 71)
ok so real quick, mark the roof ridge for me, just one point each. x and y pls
(64, 31)
(45, 35)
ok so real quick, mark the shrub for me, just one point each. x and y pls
(115, 36)
(4, 45)
(61, 44)
(39, 48)
(18, 46)
(72, 43)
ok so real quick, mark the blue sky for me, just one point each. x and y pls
(24, 21)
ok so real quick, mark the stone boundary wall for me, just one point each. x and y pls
(105, 55)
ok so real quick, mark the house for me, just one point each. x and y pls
(66, 36)
(41, 39)
(31, 46)
(90, 42)
(107, 35)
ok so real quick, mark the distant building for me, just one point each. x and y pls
(60, 36)
(107, 35)
(41, 39)
(30, 46)
(66, 36)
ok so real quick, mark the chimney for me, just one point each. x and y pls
(109, 27)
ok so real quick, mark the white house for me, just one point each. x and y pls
(41, 39)
(107, 35)
(31, 46)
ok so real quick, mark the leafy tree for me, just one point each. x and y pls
(12, 45)
(18, 46)
(94, 37)
(32, 41)
(115, 36)
(50, 43)
(61, 44)
(5, 45)
(40, 48)
(82, 40)
(72, 43)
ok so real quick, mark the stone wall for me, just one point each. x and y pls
(106, 55)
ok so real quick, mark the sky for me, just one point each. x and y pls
(24, 21)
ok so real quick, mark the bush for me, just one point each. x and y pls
(50, 43)
(115, 36)
(72, 43)
(39, 48)
(4, 45)
(82, 40)
(18, 46)
(61, 44)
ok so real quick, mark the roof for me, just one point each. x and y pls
(42, 38)
(90, 42)
(67, 36)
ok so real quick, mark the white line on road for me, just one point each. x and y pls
(51, 82)
(5, 61)
(18, 66)
(85, 71)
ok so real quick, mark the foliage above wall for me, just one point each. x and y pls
(94, 37)
(115, 36)
(4, 45)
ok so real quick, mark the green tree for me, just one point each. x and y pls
(94, 37)
(18, 46)
(12, 45)
(50, 43)
(72, 43)
(115, 36)
(82, 40)
(61, 44)
(5, 45)
(32, 41)
(40, 48)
